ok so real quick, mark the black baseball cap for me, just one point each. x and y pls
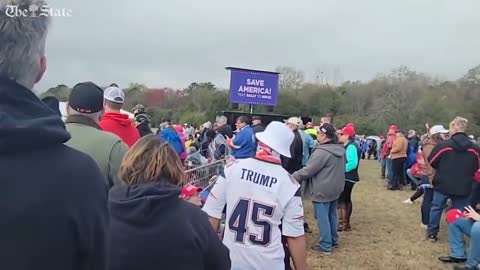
(86, 97)
(142, 118)
(328, 129)
(256, 117)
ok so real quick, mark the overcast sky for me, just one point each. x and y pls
(176, 42)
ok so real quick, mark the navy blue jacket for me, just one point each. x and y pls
(151, 229)
(53, 199)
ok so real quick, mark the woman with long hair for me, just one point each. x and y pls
(352, 156)
(150, 226)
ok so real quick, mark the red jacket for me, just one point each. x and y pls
(388, 145)
(120, 125)
(418, 169)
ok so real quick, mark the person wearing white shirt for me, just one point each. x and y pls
(260, 196)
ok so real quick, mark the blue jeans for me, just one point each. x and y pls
(412, 177)
(389, 169)
(426, 205)
(456, 230)
(326, 215)
(438, 203)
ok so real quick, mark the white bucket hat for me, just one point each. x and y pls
(278, 137)
(294, 121)
(438, 129)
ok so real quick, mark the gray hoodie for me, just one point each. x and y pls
(324, 173)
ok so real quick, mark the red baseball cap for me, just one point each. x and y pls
(189, 190)
(453, 214)
(348, 130)
(392, 128)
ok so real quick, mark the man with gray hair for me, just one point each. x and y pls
(53, 200)
(85, 109)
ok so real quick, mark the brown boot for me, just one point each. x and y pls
(347, 227)
(341, 218)
(348, 213)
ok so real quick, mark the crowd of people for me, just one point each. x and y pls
(441, 166)
(102, 191)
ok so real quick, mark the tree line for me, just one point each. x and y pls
(402, 96)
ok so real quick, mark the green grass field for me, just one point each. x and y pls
(386, 234)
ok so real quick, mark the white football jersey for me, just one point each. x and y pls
(259, 196)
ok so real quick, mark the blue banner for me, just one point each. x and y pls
(253, 87)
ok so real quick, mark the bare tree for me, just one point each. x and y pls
(290, 78)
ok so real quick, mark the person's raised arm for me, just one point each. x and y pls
(236, 142)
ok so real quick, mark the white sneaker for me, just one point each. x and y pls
(423, 226)
(407, 201)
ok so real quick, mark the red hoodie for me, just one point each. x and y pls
(391, 135)
(120, 125)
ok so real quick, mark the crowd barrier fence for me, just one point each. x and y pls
(204, 176)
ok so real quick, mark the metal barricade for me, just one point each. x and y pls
(205, 175)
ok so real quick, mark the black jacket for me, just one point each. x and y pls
(294, 163)
(258, 128)
(144, 126)
(151, 228)
(144, 129)
(53, 200)
(455, 161)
